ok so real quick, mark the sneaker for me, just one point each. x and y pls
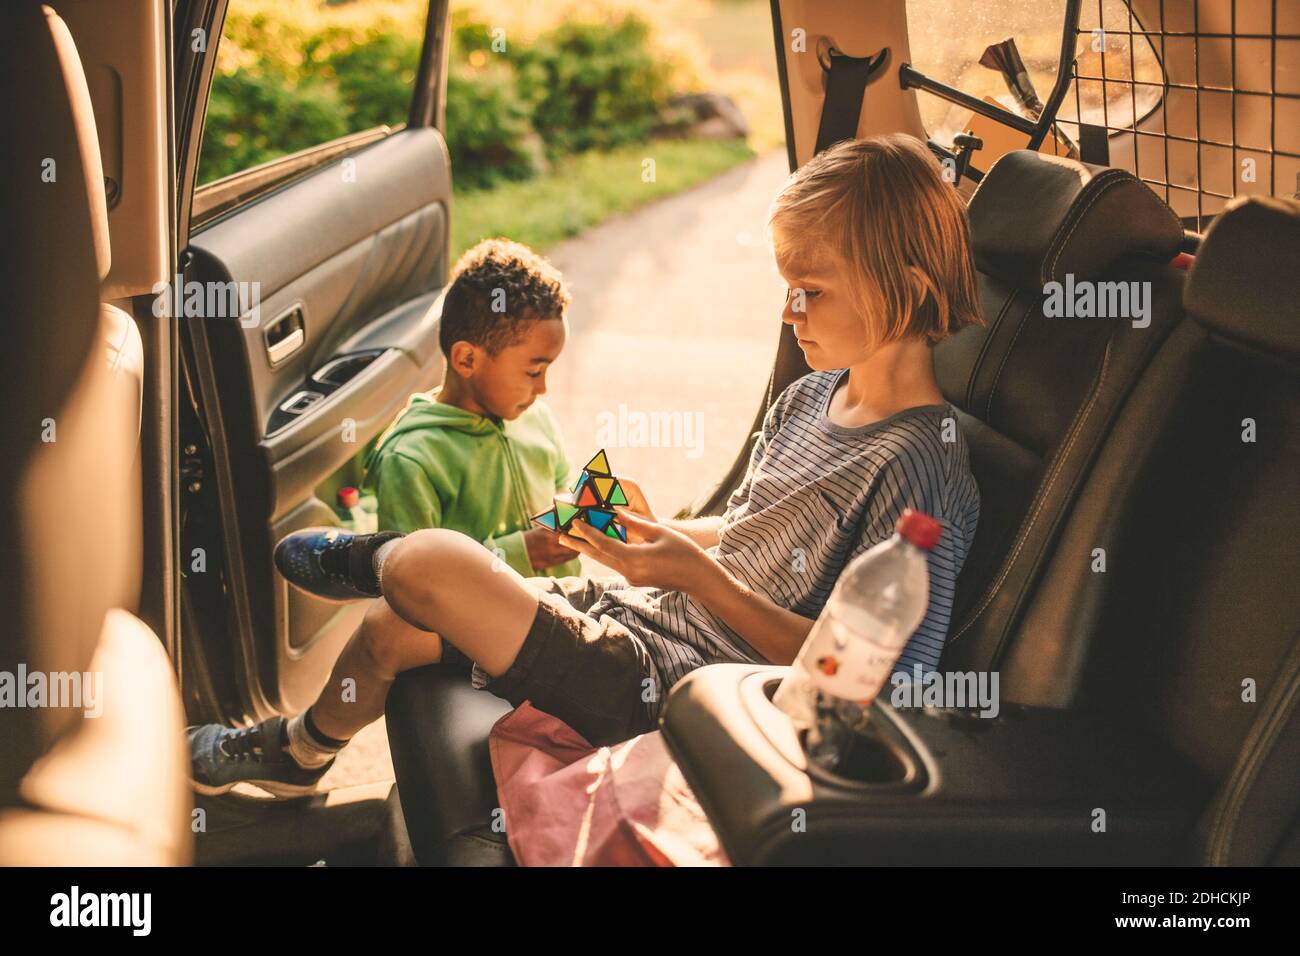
(224, 756)
(330, 563)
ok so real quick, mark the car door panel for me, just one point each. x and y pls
(350, 261)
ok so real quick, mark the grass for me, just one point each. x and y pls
(586, 189)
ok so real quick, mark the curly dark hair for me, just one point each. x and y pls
(496, 286)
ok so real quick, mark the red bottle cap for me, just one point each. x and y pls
(919, 529)
(348, 497)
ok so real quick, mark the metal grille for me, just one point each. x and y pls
(1209, 137)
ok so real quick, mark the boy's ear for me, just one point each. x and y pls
(463, 359)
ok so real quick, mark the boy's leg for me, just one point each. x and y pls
(592, 673)
(289, 756)
(382, 647)
(432, 575)
(444, 581)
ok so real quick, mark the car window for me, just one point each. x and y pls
(290, 76)
(952, 56)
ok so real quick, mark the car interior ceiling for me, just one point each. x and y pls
(1085, 435)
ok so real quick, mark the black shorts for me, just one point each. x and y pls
(592, 673)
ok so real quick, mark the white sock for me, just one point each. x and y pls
(380, 556)
(306, 751)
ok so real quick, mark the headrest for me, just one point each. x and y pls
(1245, 282)
(87, 137)
(1036, 218)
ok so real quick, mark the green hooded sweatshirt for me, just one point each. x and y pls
(440, 466)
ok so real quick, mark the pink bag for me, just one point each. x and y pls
(568, 803)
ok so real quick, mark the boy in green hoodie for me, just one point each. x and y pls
(480, 454)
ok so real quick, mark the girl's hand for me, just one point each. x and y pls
(636, 500)
(654, 555)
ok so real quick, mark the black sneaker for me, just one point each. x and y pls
(331, 563)
(224, 756)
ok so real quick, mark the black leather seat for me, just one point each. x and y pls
(1035, 395)
(1198, 639)
(438, 732)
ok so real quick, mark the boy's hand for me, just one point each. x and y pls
(654, 556)
(544, 548)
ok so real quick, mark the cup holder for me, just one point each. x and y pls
(867, 759)
(878, 756)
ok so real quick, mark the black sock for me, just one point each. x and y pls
(361, 560)
(315, 734)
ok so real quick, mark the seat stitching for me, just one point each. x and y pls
(1255, 749)
(980, 185)
(1259, 743)
(1041, 498)
(985, 346)
(988, 408)
(1077, 217)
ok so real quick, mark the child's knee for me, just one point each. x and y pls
(385, 639)
(410, 568)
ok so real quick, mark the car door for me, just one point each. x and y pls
(308, 308)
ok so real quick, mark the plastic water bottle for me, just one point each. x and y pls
(876, 605)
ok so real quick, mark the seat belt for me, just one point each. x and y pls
(846, 85)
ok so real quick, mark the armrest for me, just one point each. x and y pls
(1024, 787)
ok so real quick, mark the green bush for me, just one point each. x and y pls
(374, 77)
(253, 118)
(593, 84)
(487, 129)
(579, 86)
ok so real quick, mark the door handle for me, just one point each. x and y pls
(284, 336)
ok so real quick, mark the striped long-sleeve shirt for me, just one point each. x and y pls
(815, 496)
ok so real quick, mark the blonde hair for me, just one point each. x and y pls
(882, 207)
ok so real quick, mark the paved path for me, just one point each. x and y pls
(676, 309)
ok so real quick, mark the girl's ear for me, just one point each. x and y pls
(923, 289)
(920, 282)
(929, 307)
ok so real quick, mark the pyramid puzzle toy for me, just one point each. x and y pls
(592, 500)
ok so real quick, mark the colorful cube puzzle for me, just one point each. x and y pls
(592, 499)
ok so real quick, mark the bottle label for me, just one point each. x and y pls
(845, 664)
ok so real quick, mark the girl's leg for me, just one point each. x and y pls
(444, 581)
(383, 646)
